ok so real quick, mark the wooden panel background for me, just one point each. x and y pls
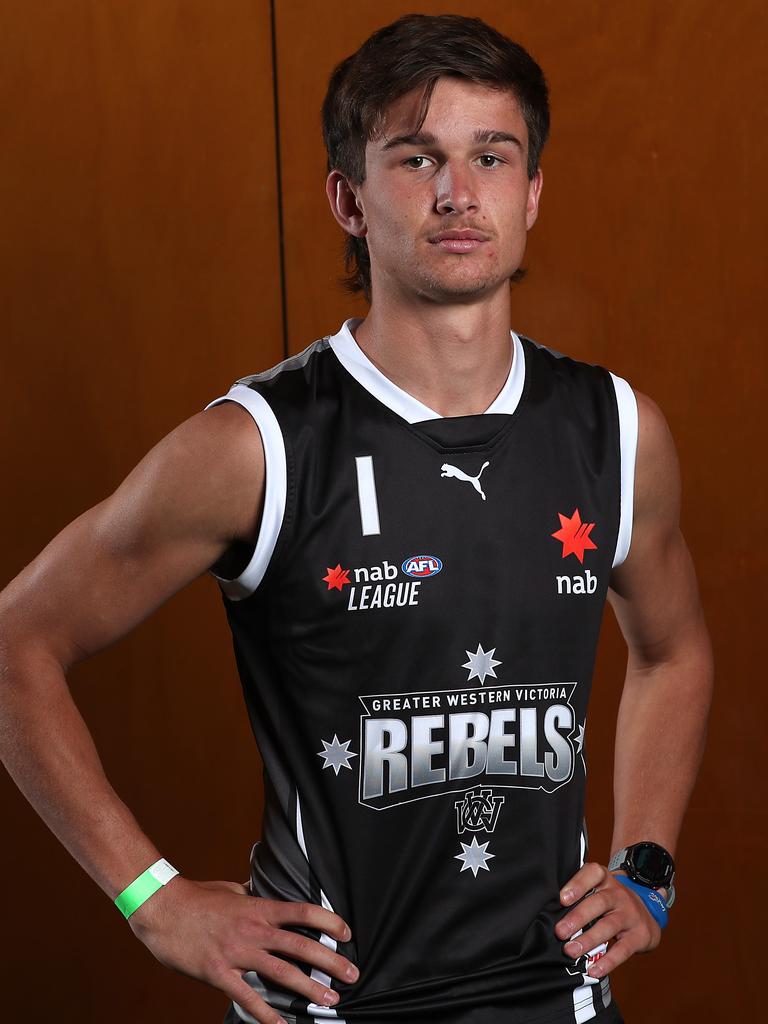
(165, 231)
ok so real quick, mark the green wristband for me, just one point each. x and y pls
(141, 888)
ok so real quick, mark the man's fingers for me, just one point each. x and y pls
(618, 951)
(604, 911)
(591, 907)
(269, 929)
(279, 972)
(603, 930)
(307, 915)
(590, 876)
(238, 990)
(310, 951)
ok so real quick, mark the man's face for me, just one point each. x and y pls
(446, 178)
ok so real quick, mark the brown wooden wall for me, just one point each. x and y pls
(165, 230)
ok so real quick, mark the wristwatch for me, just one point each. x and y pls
(648, 864)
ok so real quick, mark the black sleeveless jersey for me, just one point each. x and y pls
(415, 632)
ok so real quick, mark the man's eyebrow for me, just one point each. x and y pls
(481, 135)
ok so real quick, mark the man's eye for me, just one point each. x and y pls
(491, 155)
(414, 158)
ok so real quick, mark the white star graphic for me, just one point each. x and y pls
(336, 754)
(474, 856)
(481, 663)
(579, 737)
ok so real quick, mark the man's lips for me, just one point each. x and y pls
(459, 240)
(460, 234)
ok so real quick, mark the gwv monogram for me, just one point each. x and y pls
(461, 475)
(478, 811)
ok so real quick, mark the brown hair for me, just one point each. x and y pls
(413, 51)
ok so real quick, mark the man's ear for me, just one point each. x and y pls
(346, 205)
(534, 192)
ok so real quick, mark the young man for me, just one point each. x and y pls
(414, 550)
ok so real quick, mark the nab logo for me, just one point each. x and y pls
(574, 535)
(422, 566)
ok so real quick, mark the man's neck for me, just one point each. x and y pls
(454, 359)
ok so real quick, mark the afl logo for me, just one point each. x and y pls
(422, 566)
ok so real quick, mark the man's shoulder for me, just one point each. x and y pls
(557, 357)
(658, 471)
(297, 363)
(218, 444)
(538, 346)
(556, 371)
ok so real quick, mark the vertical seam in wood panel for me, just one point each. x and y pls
(281, 240)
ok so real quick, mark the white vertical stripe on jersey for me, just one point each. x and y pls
(366, 493)
(321, 1013)
(605, 988)
(583, 1001)
(627, 405)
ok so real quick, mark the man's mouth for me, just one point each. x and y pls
(459, 240)
(460, 244)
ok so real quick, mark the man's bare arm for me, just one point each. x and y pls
(661, 728)
(194, 493)
(667, 691)
(105, 572)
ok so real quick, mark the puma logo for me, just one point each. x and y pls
(461, 475)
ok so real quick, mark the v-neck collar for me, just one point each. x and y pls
(369, 376)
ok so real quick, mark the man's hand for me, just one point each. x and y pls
(617, 914)
(216, 931)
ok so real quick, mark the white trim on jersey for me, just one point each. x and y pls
(369, 376)
(274, 490)
(584, 995)
(605, 989)
(583, 1001)
(627, 406)
(320, 1013)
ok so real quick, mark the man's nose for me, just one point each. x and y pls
(455, 189)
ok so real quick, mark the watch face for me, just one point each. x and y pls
(652, 864)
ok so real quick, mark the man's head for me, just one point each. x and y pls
(389, 84)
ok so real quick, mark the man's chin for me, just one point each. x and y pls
(456, 289)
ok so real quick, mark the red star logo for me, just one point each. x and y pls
(337, 577)
(575, 536)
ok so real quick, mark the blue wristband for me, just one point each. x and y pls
(653, 900)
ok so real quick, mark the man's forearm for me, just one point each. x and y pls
(50, 754)
(660, 736)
